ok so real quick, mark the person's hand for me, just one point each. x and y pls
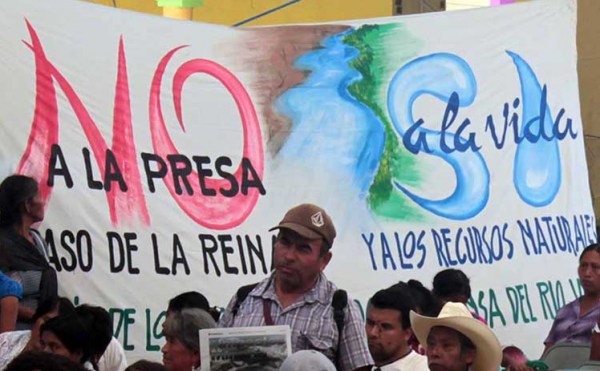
(25, 314)
(34, 343)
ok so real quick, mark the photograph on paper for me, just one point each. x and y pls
(244, 348)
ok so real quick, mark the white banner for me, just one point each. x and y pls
(167, 149)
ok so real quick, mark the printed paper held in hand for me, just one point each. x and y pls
(244, 348)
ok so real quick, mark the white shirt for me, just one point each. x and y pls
(411, 362)
(11, 345)
(113, 358)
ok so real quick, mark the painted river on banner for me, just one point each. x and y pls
(330, 129)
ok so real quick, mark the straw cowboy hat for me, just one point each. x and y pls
(456, 316)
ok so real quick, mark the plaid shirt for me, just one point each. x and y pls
(569, 327)
(311, 322)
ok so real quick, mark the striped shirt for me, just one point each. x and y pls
(569, 327)
(311, 322)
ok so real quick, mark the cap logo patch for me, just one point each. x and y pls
(317, 219)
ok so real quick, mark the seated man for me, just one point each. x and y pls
(455, 341)
(575, 321)
(389, 331)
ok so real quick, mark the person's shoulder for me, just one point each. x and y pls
(261, 285)
(417, 362)
(330, 288)
(252, 290)
(115, 346)
(323, 281)
(416, 357)
(114, 358)
(565, 309)
(243, 295)
(9, 287)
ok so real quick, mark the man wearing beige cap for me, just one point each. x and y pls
(299, 295)
(455, 341)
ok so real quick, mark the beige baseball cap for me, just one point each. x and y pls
(310, 221)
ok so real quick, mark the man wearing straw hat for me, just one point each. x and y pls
(455, 341)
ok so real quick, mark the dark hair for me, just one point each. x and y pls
(593, 247)
(396, 298)
(450, 283)
(63, 305)
(73, 334)
(98, 321)
(39, 361)
(424, 299)
(15, 190)
(192, 299)
(143, 365)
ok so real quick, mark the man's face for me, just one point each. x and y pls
(298, 261)
(589, 272)
(387, 340)
(445, 352)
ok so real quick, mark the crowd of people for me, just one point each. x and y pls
(406, 327)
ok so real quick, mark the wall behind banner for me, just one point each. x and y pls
(472, 4)
(230, 12)
(588, 29)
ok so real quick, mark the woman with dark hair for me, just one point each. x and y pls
(68, 336)
(16, 342)
(578, 320)
(23, 254)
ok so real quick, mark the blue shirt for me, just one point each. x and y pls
(9, 287)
